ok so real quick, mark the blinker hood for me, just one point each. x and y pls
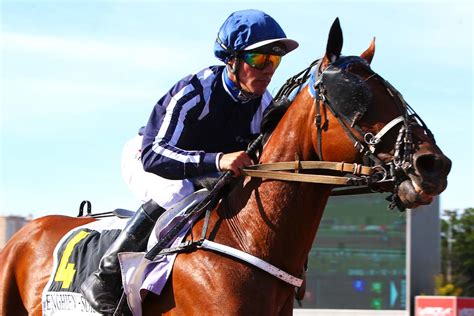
(348, 93)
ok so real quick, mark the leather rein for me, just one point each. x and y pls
(356, 178)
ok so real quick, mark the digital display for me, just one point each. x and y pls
(358, 257)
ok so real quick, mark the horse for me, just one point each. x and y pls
(342, 112)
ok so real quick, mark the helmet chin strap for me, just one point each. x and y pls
(243, 96)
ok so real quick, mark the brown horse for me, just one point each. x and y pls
(345, 103)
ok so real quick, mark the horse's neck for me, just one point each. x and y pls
(293, 135)
(278, 220)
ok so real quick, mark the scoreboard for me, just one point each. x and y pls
(358, 258)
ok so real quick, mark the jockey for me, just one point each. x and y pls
(200, 127)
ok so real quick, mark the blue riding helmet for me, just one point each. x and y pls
(248, 30)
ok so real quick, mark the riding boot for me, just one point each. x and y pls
(102, 289)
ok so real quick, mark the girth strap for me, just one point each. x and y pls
(257, 262)
(232, 252)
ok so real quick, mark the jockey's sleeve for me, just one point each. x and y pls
(160, 154)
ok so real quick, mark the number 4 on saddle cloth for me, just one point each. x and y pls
(78, 254)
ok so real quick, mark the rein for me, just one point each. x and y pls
(290, 171)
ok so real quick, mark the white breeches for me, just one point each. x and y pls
(145, 185)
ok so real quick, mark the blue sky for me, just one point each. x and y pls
(78, 78)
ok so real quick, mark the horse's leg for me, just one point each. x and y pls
(288, 307)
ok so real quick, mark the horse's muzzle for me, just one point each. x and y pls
(428, 179)
(431, 172)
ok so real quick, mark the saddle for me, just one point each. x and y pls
(78, 253)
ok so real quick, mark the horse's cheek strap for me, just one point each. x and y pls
(317, 122)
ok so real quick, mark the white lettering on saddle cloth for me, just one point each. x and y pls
(60, 303)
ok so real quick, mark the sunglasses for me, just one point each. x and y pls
(261, 61)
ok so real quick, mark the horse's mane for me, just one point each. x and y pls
(283, 99)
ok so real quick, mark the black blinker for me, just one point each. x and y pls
(348, 93)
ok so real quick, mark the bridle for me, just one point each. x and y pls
(326, 87)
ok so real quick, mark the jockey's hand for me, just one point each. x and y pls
(234, 161)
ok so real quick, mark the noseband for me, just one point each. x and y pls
(348, 96)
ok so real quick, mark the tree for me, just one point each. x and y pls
(457, 237)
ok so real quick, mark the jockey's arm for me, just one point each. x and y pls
(160, 153)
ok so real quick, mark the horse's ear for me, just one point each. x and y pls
(334, 45)
(369, 53)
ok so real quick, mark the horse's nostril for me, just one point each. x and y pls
(427, 163)
(430, 164)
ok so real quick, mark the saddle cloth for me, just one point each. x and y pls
(78, 253)
(75, 257)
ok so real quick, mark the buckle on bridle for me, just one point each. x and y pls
(359, 147)
(380, 172)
